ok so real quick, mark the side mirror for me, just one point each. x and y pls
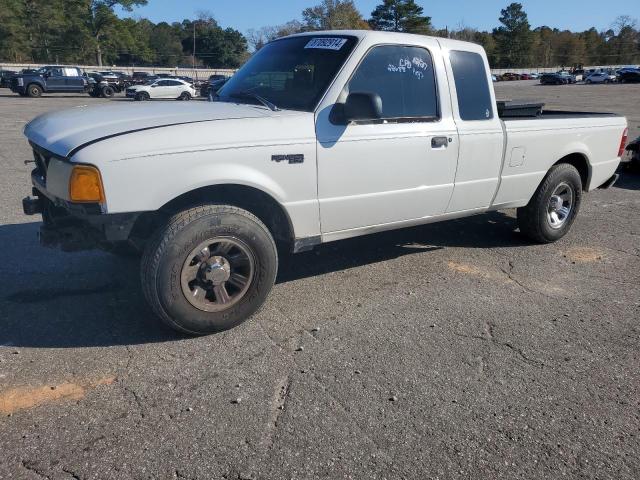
(46, 74)
(363, 106)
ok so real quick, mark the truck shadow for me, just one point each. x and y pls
(629, 179)
(493, 230)
(51, 299)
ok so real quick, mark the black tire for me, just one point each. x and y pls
(142, 96)
(185, 96)
(34, 90)
(107, 91)
(533, 219)
(171, 246)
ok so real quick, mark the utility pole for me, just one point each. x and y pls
(194, 49)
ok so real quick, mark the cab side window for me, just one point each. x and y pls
(472, 85)
(55, 72)
(404, 79)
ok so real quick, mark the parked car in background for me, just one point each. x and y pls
(567, 76)
(106, 85)
(508, 77)
(629, 76)
(215, 83)
(553, 79)
(51, 79)
(189, 80)
(494, 78)
(140, 78)
(162, 88)
(600, 77)
(578, 74)
(534, 76)
(119, 78)
(5, 75)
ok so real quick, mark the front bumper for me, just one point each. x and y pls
(76, 227)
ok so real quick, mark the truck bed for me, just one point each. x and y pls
(534, 144)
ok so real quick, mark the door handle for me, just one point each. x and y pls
(439, 142)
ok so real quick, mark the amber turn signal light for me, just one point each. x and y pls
(85, 185)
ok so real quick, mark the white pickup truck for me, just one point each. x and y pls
(319, 137)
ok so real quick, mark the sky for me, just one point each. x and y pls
(576, 15)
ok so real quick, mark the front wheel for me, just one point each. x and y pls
(107, 91)
(552, 210)
(142, 96)
(209, 269)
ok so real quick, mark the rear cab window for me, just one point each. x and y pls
(472, 86)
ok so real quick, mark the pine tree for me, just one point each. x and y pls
(400, 16)
(514, 37)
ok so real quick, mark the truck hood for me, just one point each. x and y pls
(65, 131)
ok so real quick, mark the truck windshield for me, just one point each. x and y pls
(292, 73)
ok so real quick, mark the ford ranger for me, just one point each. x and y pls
(319, 137)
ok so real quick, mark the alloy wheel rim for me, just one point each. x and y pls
(217, 274)
(560, 206)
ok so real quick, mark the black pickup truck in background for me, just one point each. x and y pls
(5, 76)
(51, 79)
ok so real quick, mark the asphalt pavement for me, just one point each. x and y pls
(456, 350)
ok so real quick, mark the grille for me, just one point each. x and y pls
(42, 159)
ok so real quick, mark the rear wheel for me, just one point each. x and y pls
(185, 96)
(552, 210)
(209, 269)
(34, 91)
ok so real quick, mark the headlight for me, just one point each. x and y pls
(85, 185)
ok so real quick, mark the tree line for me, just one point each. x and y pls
(90, 32)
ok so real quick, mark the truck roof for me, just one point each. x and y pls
(397, 37)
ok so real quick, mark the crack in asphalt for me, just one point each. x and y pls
(278, 405)
(29, 465)
(522, 285)
(517, 350)
(74, 475)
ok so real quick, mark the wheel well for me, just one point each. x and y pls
(261, 204)
(582, 165)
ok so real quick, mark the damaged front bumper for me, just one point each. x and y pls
(77, 227)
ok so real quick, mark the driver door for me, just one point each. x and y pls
(398, 169)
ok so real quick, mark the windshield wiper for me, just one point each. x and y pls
(246, 94)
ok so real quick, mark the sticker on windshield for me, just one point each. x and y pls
(327, 43)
